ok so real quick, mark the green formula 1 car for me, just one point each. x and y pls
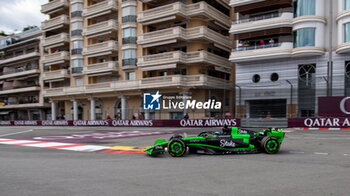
(230, 141)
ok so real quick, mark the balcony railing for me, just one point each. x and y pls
(101, 27)
(11, 59)
(184, 58)
(147, 83)
(262, 52)
(257, 47)
(100, 8)
(269, 21)
(164, 12)
(19, 72)
(56, 39)
(77, 70)
(263, 17)
(53, 5)
(55, 58)
(19, 89)
(54, 23)
(63, 73)
(94, 49)
(101, 67)
(202, 32)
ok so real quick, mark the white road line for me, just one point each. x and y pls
(48, 144)
(293, 152)
(16, 142)
(321, 153)
(16, 133)
(346, 154)
(87, 148)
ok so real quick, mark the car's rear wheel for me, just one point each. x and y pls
(270, 145)
(177, 148)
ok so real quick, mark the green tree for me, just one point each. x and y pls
(29, 27)
(2, 33)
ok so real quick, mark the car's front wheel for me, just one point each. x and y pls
(270, 145)
(177, 148)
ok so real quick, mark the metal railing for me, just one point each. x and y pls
(257, 18)
(257, 47)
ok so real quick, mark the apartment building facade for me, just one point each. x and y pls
(20, 80)
(101, 56)
(288, 53)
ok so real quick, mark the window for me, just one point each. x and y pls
(77, 7)
(98, 110)
(77, 62)
(346, 32)
(129, 54)
(129, 32)
(304, 37)
(79, 82)
(274, 77)
(346, 4)
(77, 66)
(129, 36)
(305, 8)
(127, 11)
(130, 75)
(256, 78)
(307, 74)
(77, 26)
(129, 14)
(347, 78)
(77, 44)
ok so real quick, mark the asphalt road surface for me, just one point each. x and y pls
(309, 163)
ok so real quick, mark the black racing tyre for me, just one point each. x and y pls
(177, 148)
(177, 136)
(270, 145)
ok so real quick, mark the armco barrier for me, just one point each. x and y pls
(128, 123)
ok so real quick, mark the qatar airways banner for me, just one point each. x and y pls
(319, 122)
(334, 106)
(129, 123)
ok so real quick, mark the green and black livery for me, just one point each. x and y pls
(230, 141)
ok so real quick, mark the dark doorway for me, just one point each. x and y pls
(276, 108)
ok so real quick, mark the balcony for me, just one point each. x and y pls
(54, 6)
(166, 82)
(158, 61)
(255, 53)
(101, 28)
(20, 89)
(24, 105)
(178, 9)
(343, 48)
(236, 3)
(20, 57)
(54, 75)
(99, 49)
(111, 66)
(55, 23)
(56, 40)
(55, 58)
(308, 51)
(171, 35)
(269, 21)
(98, 9)
(17, 73)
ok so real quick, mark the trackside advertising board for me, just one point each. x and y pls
(130, 123)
